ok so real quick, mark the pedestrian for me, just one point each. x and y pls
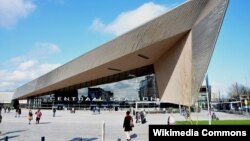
(54, 112)
(214, 117)
(99, 110)
(5, 109)
(94, 108)
(30, 116)
(19, 112)
(138, 117)
(127, 125)
(0, 120)
(38, 116)
(143, 117)
(1, 117)
(9, 109)
(171, 120)
(73, 110)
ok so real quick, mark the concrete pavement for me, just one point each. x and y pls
(84, 125)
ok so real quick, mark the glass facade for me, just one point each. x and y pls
(121, 94)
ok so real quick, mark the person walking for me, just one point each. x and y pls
(9, 109)
(38, 116)
(127, 125)
(54, 112)
(5, 109)
(143, 117)
(171, 120)
(137, 116)
(30, 116)
(17, 111)
(0, 119)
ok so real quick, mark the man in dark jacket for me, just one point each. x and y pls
(127, 125)
(54, 112)
(0, 118)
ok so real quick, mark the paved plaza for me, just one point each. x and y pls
(84, 125)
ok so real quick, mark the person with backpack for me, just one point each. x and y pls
(30, 116)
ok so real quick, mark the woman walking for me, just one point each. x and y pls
(38, 116)
(30, 116)
(127, 125)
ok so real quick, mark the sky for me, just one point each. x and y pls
(37, 36)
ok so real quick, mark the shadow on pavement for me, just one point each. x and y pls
(44, 122)
(84, 139)
(10, 132)
(9, 137)
(133, 136)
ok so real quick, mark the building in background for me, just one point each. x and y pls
(99, 93)
(148, 89)
(202, 98)
(6, 99)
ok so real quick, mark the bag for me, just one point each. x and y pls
(131, 123)
(30, 118)
(143, 120)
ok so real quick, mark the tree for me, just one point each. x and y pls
(236, 90)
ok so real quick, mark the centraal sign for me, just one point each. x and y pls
(81, 99)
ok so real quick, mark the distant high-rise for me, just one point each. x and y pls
(148, 88)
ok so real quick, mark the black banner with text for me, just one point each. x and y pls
(161, 132)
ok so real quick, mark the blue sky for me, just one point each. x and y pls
(37, 36)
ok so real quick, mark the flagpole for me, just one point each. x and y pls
(208, 103)
(208, 108)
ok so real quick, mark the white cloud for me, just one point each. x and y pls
(41, 50)
(46, 48)
(5, 85)
(28, 67)
(130, 19)
(97, 24)
(13, 10)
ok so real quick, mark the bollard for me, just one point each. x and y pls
(6, 138)
(43, 139)
(103, 131)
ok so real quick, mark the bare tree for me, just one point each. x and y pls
(236, 90)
